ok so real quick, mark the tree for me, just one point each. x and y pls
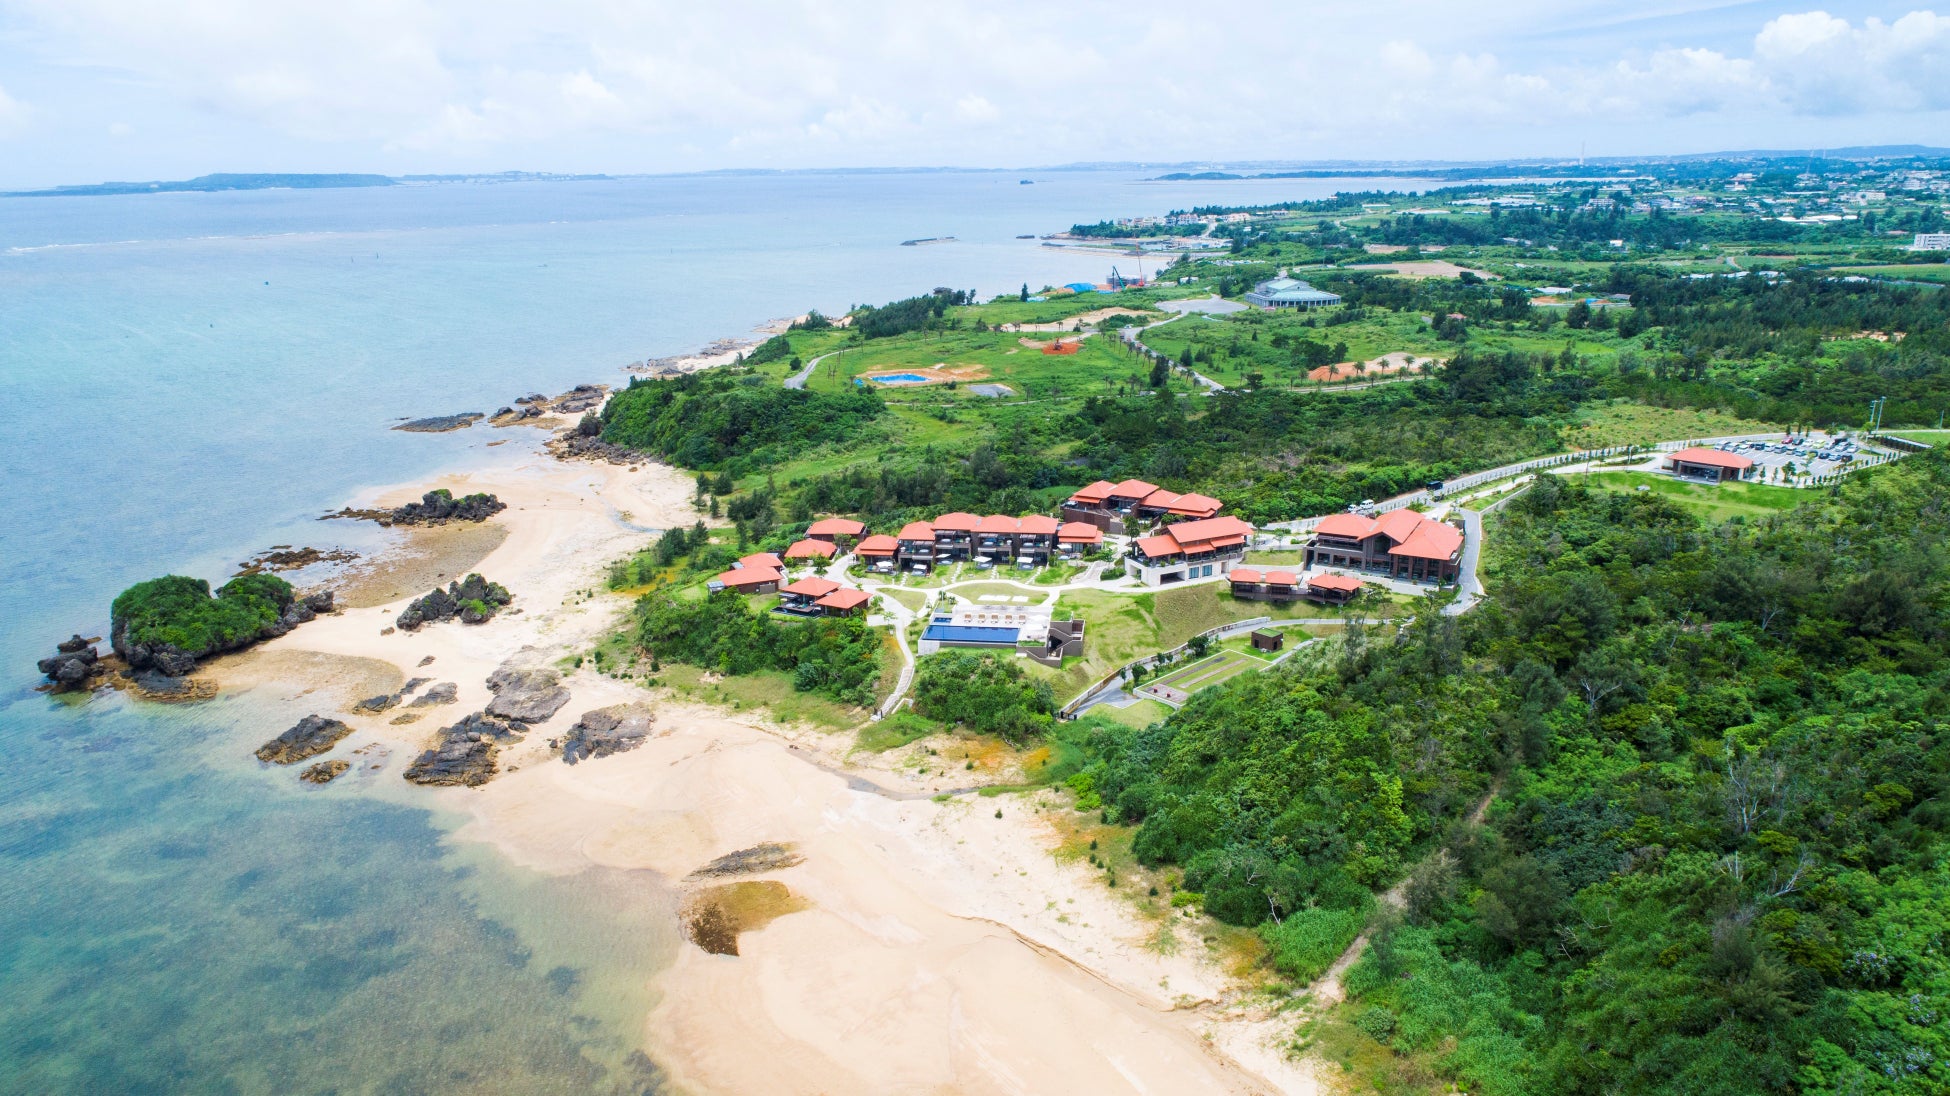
(1024, 295)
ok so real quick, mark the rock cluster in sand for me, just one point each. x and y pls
(309, 737)
(606, 731)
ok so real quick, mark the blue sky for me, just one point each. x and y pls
(131, 89)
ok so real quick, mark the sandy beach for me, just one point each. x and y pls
(936, 947)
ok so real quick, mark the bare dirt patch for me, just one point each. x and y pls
(1422, 268)
(1399, 361)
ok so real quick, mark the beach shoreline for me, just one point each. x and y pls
(941, 945)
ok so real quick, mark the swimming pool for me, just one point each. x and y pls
(898, 378)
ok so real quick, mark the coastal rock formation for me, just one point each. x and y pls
(572, 444)
(74, 665)
(464, 754)
(283, 557)
(444, 693)
(473, 599)
(605, 731)
(770, 856)
(440, 424)
(528, 695)
(373, 705)
(583, 397)
(311, 736)
(167, 624)
(439, 506)
(324, 772)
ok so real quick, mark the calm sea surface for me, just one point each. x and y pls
(188, 378)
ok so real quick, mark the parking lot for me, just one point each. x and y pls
(1815, 453)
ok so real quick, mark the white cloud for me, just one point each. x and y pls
(1008, 81)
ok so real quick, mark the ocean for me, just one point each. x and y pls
(190, 378)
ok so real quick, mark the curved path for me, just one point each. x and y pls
(799, 379)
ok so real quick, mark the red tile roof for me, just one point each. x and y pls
(1079, 532)
(844, 600)
(1159, 499)
(1398, 525)
(745, 578)
(1713, 458)
(1038, 525)
(880, 544)
(1158, 547)
(1209, 533)
(762, 559)
(956, 522)
(1334, 582)
(809, 549)
(1196, 506)
(1430, 540)
(811, 587)
(1247, 576)
(917, 530)
(836, 527)
(1133, 489)
(1352, 526)
(997, 523)
(1282, 578)
(1094, 494)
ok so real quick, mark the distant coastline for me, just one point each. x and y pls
(204, 184)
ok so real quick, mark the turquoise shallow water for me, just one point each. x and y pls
(188, 378)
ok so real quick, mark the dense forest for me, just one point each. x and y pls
(713, 422)
(1714, 857)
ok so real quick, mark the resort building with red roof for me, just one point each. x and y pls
(1109, 506)
(746, 580)
(838, 531)
(1188, 550)
(1401, 544)
(811, 549)
(1712, 465)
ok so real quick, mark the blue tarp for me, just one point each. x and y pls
(969, 633)
(1082, 287)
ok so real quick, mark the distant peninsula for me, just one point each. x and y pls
(335, 181)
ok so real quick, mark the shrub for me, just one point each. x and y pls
(1308, 941)
(180, 612)
(983, 693)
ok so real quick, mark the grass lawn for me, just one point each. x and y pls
(1919, 272)
(1139, 715)
(1276, 559)
(1927, 437)
(1620, 422)
(995, 357)
(1716, 502)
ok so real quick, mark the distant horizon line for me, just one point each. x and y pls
(221, 181)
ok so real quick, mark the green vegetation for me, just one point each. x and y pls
(178, 613)
(715, 421)
(984, 693)
(1715, 502)
(834, 656)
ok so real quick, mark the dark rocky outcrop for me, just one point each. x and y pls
(286, 558)
(583, 397)
(439, 506)
(464, 754)
(444, 693)
(412, 684)
(530, 695)
(571, 444)
(75, 664)
(606, 731)
(474, 600)
(373, 705)
(311, 736)
(157, 685)
(235, 618)
(324, 772)
(440, 424)
(770, 856)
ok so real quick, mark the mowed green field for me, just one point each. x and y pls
(1716, 502)
(1098, 367)
(1930, 272)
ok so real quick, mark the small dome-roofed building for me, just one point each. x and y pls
(1285, 292)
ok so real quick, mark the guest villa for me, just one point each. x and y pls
(1188, 550)
(1111, 506)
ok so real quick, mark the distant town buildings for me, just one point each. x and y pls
(1931, 241)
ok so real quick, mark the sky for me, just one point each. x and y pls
(93, 90)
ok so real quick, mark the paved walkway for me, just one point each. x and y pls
(799, 379)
